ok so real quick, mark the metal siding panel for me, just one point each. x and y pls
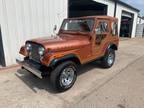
(27, 19)
(11, 39)
(34, 17)
(0, 12)
(40, 17)
(15, 37)
(50, 14)
(47, 17)
(1, 30)
(19, 23)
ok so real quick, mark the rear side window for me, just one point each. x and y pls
(114, 28)
(102, 27)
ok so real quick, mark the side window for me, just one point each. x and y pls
(114, 29)
(102, 27)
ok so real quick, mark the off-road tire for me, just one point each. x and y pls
(56, 73)
(105, 60)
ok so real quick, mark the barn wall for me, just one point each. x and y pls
(26, 19)
(140, 20)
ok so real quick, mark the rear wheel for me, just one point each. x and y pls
(64, 76)
(109, 58)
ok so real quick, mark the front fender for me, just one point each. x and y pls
(52, 61)
(64, 58)
(23, 51)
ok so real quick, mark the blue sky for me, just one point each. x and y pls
(136, 3)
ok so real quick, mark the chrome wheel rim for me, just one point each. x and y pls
(67, 76)
(110, 58)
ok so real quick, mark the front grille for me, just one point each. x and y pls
(34, 55)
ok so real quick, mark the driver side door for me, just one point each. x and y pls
(101, 34)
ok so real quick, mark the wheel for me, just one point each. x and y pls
(64, 76)
(109, 58)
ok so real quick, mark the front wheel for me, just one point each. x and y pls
(64, 76)
(109, 58)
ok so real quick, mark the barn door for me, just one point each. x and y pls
(2, 59)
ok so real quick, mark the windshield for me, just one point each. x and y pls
(82, 25)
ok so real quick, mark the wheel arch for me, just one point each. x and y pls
(69, 57)
(113, 46)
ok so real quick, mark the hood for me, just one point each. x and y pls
(65, 42)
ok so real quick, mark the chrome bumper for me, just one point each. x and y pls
(30, 67)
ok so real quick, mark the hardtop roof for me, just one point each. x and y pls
(96, 17)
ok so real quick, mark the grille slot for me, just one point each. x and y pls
(34, 55)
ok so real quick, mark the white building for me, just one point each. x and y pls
(140, 27)
(25, 19)
(140, 20)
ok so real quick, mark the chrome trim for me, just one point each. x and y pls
(30, 68)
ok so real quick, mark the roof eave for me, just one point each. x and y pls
(127, 5)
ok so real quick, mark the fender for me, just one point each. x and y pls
(113, 46)
(72, 57)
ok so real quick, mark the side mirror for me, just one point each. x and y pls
(55, 28)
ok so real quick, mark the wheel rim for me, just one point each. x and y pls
(111, 58)
(67, 76)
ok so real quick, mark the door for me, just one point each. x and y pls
(2, 60)
(101, 34)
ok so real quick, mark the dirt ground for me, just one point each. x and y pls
(118, 87)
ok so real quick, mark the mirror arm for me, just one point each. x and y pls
(54, 29)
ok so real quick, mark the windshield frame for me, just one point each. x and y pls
(72, 31)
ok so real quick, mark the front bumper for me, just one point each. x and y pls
(32, 67)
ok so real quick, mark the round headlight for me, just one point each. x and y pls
(28, 47)
(41, 51)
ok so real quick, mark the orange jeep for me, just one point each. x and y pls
(79, 41)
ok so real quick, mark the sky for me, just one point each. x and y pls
(139, 4)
